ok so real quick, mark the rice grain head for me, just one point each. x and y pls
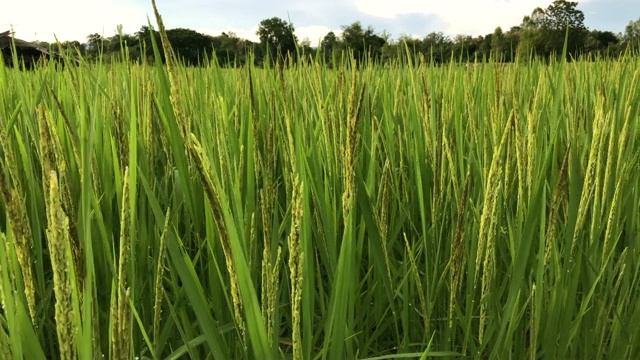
(457, 254)
(122, 317)
(159, 289)
(554, 213)
(174, 97)
(53, 159)
(350, 147)
(17, 218)
(296, 260)
(58, 241)
(590, 175)
(211, 189)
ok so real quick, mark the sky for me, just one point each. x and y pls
(46, 20)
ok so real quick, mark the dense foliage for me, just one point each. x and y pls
(544, 33)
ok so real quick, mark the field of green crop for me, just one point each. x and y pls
(410, 211)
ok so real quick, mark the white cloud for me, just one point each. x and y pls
(315, 34)
(70, 19)
(470, 17)
(248, 34)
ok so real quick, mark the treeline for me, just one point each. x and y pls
(543, 33)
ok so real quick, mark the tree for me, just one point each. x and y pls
(72, 46)
(362, 41)
(632, 34)
(231, 50)
(562, 14)
(277, 37)
(305, 49)
(94, 42)
(329, 46)
(498, 44)
(190, 46)
(464, 47)
(399, 49)
(544, 31)
(143, 45)
(329, 42)
(437, 46)
(600, 42)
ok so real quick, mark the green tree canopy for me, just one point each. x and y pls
(562, 14)
(277, 36)
(437, 46)
(632, 34)
(601, 42)
(544, 31)
(362, 41)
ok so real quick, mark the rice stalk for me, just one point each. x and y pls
(491, 193)
(5, 243)
(457, 255)
(419, 289)
(296, 261)
(53, 158)
(624, 133)
(270, 273)
(203, 168)
(17, 219)
(58, 241)
(520, 161)
(75, 146)
(599, 187)
(608, 170)
(619, 271)
(486, 246)
(554, 213)
(352, 138)
(383, 216)
(174, 96)
(5, 347)
(613, 212)
(532, 130)
(121, 322)
(590, 174)
(159, 289)
(533, 328)
(270, 301)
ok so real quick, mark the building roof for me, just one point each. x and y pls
(6, 39)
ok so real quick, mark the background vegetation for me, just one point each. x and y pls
(541, 33)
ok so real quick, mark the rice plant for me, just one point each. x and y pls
(316, 212)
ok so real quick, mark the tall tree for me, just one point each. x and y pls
(330, 46)
(190, 46)
(601, 42)
(362, 41)
(632, 34)
(437, 46)
(544, 31)
(464, 47)
(94, 43)
(562, 14)
(278, 37)
(499, 45)
(231, 50)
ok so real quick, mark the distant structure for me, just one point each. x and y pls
(28, 52)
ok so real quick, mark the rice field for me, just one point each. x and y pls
(405, 211)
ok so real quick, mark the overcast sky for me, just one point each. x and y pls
(312, 19)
